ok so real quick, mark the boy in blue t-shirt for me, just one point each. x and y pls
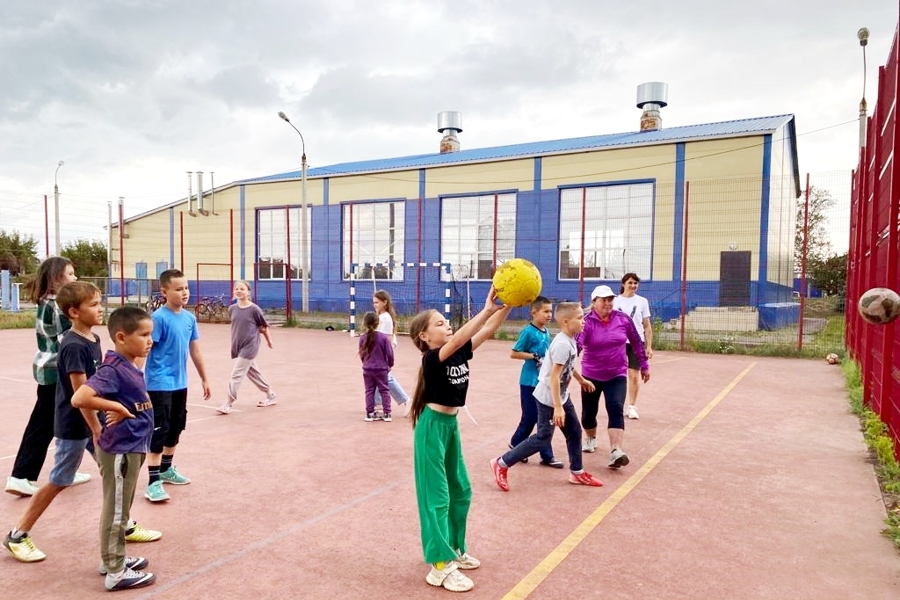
(122, 442)
(175, 337)
(531, 347)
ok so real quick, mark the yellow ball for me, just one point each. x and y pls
(518, 282)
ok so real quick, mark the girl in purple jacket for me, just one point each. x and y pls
(377, 355)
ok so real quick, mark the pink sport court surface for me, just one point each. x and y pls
(748, 479)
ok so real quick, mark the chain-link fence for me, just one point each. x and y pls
(728, 264)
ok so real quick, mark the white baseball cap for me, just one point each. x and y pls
(602, 291)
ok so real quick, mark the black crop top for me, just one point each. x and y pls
(446, 383)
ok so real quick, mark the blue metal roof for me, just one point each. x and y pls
(740, 127)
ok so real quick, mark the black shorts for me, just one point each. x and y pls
(169, 418)
(633, 361)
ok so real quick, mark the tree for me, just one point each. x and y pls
(829, 274)
(818, 243)
(88, 256)
(18, 253)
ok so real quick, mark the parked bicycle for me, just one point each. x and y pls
(212, 308)
(154, 301)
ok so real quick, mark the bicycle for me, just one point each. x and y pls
(155, 301)
(212, 308)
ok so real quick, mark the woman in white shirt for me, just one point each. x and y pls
(387, 324)
(629, 302)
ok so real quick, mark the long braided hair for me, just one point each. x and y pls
(370, 322)
(416, 327)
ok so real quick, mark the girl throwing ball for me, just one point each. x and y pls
(442, 483)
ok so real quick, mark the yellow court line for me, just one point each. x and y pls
(537, 575)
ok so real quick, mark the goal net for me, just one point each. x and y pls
(419, 286)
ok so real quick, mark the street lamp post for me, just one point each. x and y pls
(304, 258)
(56, 204)
(863, 36)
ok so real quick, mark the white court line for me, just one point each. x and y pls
(663, 362)
(18, 380)
(237, 410)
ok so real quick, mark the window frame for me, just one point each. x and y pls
(278, 262)
(598, 229)
(502, 206)
(392, 268)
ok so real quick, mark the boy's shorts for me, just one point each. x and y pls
(633, 360)
(169, 418)
(66, 461)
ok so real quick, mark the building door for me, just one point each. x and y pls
(734, 278)
(160, 267)
(140, 273)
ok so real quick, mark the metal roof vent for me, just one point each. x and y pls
(449, 123)
(652, 96)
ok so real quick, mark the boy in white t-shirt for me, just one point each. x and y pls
(555, 407)
(636, 307)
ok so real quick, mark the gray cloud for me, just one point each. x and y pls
(132, 94)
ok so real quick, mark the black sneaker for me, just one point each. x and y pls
(128, 579)
(135, 563)
(372, 416)
(553, 462)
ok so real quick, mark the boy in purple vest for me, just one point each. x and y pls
(122, 441)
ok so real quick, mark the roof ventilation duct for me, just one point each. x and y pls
(651, 97)
(449, 123)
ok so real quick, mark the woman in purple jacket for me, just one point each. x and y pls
(605, 363)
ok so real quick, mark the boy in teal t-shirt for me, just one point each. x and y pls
(531, 347)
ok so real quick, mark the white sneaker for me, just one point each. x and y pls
(632, 412)
(81, 478)
(127, 579)
(589, 444)
(466, 561)
(449, 578)
(225, 409)
(269, 401)
(20, 487)
(617, 459)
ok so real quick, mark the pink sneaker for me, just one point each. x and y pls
(499, 474)
(584, 478)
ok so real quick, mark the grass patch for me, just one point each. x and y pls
(881, 447)
(16, 320)
(782, 342)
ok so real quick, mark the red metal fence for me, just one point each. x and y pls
(874, 248)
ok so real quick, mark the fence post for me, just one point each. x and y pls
(803, 266)
(684, 255)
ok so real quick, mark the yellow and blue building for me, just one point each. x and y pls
(708, 209)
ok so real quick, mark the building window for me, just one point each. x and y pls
(374, 235)
(613, 223)
(272, 246)
(477, 234)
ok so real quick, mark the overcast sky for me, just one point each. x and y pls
(131, 94)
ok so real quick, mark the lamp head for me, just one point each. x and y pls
(283, 116)
(62, 162)
(863, 35)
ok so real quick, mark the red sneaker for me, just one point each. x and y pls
(584, 478)
(499, 474)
